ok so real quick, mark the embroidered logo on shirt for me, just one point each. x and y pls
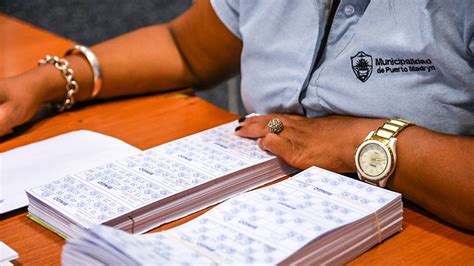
(362, 65)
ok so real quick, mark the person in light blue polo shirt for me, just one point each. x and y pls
(419, 59)
(335, 82)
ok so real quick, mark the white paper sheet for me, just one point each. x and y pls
(7, 253)
(44, 161)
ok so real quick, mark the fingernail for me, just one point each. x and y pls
(242, 119)
(238, 128)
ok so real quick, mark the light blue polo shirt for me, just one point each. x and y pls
(412, 59)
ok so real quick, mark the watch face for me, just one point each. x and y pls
(373, 160)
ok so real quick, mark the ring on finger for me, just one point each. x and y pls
(275, 126)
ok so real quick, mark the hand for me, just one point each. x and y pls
(327, 142)
(18, 103)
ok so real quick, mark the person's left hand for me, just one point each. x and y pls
(327, 142)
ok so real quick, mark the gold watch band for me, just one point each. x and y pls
(390, 129)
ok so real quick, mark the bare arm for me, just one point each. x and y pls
(436, 171)
(195, 49)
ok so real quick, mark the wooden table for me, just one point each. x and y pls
(149, 121)
(22, 45)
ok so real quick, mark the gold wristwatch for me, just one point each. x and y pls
(376, 157)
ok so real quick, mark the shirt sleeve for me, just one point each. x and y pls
(228, 13)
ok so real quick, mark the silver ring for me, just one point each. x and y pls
(275, 126)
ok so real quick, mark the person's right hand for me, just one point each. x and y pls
(19, 101)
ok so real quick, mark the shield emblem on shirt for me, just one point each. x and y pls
(362, 66)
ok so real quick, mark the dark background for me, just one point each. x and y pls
(89, 22)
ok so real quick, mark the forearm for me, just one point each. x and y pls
(436, 171)
(142, 61)
(185, 52)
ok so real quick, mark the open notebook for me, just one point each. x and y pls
(152, 187)
(315, 217)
